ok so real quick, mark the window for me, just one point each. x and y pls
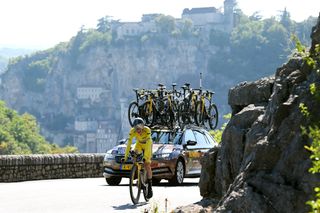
(210, 139)
(202, 142)
(188, 135)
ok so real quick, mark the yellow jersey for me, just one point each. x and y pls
(143, 139)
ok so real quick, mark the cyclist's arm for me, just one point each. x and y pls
(131, 135)
(149, 135)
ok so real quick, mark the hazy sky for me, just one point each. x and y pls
(44, 23)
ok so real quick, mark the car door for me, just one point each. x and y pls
(191, 153)
(200, 148)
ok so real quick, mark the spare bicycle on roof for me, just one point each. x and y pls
(172, 108)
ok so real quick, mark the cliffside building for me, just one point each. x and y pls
(211, 17)
(205, 18)
(98, 140)
(90, 92)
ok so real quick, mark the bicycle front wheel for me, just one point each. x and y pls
(135, 185)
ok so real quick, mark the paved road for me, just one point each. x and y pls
(90, 195)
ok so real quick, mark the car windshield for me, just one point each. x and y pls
(159, 137)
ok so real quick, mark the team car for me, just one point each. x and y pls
(176, 155)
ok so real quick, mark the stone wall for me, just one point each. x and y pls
(37, 167)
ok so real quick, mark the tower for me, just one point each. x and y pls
(229, 14)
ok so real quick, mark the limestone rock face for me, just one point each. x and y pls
(246, 93)
(261, 164)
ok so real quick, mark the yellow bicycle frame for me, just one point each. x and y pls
(193, 100)
(150, 104)
(169, 100)
(202, 104)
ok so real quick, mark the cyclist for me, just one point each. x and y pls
(142, 134)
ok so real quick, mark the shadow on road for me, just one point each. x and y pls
(165, 184)
(161, 184)
(116, 186)
(129, 206)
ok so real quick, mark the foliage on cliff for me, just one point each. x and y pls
(19, 134)
(313, 129)
(257, 45)
(217, 134)
(3, 63)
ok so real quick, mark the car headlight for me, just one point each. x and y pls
(110, 154)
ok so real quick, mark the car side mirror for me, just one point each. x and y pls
(190, 143)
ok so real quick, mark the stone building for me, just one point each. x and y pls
(90, 92)
(211, 17)
(99, 140)
(135, 28)
(205, 18)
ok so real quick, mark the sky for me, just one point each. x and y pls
(41, 24)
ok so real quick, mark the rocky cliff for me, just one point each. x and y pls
(45, 84)
(114, 68)
(261, 164)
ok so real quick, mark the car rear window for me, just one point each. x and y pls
(210, 139)
(202, 141)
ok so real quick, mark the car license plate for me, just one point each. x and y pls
(126, 167)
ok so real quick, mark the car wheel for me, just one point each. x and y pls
(113, 181)
(178, 174)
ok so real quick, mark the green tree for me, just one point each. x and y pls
(217, 134)
(34, 78)
(285, 20)
(104, 24)
(93, 38)
(3, 63)
(166, 24)
(219, 38)
(303, 30)
(19, 134)
(187, 28)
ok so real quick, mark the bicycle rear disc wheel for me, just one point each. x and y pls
(133, 112)
(134, 185)
(213, 116)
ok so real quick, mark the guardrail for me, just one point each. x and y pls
(15, 168)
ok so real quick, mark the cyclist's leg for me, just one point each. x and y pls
(147, 164)
(147, 156)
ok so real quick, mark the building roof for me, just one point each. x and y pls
(199, 10)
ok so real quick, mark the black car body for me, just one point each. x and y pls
(176, 154)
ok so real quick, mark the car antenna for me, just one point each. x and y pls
(200, 80)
